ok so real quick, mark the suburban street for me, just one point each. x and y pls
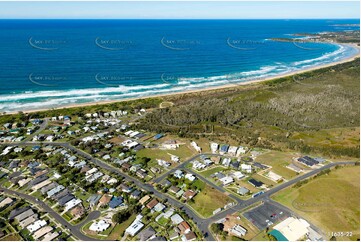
(74, 229)
(202, 223)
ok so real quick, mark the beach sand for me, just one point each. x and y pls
(351, 58)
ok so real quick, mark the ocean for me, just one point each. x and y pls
(55, 63)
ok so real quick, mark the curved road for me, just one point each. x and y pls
(74, 229)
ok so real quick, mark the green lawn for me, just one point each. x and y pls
(207, 173)
(183, 152)
(209, 200)
(278, 160)
(331, 202)
(120, 228)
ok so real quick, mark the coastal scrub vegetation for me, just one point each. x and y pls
(273, 114)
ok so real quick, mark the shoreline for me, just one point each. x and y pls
(348, 59)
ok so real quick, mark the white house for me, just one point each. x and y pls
(99, 226)
(226, 180)
(196, 147)
(226, 161)
(241, 150)
(36, 225)
(136, 226)
(174, 158)
(190, 177)
(72, 203)
(246, 168)
(214, 147)
(238, 175)
(232, 150)
(238, 230)
(179, 174)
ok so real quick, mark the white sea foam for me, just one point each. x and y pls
(57, 98)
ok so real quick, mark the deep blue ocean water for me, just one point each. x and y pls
(52, 63)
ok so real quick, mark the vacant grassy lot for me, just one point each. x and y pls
(209, 200)
(207, 173)
(331, 202)
(278, 160)
(183, 152)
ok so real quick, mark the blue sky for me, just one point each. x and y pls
(180, 10)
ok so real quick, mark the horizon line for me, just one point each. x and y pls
(179, 18)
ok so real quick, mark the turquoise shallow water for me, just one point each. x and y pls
(53, 63)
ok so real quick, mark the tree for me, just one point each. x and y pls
(217, 228)
(121, 216)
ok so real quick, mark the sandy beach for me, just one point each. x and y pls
(351, 58)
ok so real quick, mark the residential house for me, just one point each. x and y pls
(174, 189)
(63, 200)
(141, 173)
(136, 226)
(176, 219)
(41, 232)
(104, 201)
(78, 211)
(189, 194)
(36, 226)
(184, 227)
(226, 180)
(24, 215)
(224, 149)
(94, 199)
(178, 174)
(242, 191)
(255, 183)
(246, 168)
(146, 234)
(72, 203)
(29, 220)
(152, 203)
(191, 236)
(115, 202)
(144, 199)
(232, 150)
(214, 147)
(100, 226)
(159, 207)
(50, 236)
(190, 177)
(196, 147)
(135, 194)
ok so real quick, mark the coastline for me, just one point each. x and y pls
(250, 82)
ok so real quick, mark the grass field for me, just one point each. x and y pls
(207, 173)
(335, 137)
(183, 152)
(209, 200)
(120, 228)
(12, 237)
(278, 160)
(331, 202)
